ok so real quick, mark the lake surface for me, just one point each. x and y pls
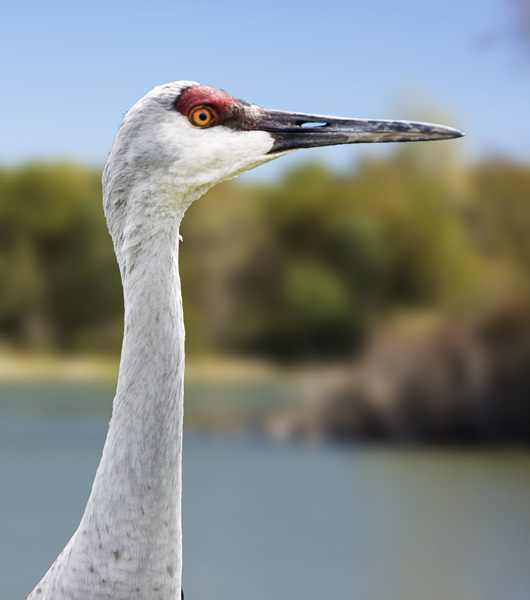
(276, 521)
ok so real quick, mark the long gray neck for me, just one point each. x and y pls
(137, 490)
(129, 543)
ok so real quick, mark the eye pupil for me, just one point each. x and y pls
(203, 116)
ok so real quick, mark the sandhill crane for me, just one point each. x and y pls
(174, 144)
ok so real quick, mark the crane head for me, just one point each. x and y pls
(185, 137)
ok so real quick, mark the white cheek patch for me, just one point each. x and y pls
(219, 153)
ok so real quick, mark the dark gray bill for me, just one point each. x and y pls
(298, 130)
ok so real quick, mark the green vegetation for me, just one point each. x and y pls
(301, 267)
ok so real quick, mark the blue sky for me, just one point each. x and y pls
(71, 69)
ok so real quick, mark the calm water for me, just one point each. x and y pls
(280, 522)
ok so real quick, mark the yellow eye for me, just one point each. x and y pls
(202, 116)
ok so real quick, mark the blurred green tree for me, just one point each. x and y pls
(300, 267)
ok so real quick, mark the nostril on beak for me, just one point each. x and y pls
(311, 124)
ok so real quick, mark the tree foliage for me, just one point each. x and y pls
(299, 267)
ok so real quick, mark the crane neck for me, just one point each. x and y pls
(141, 463)
(129, 542)
(153, 342)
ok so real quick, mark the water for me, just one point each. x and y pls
(282, 522)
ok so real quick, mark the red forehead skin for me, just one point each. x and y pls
(203, 94)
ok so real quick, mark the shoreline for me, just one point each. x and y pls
(25, 367)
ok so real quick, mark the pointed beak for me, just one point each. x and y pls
(292, 131)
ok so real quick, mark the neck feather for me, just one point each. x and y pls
(129, 542)
(140, 469)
